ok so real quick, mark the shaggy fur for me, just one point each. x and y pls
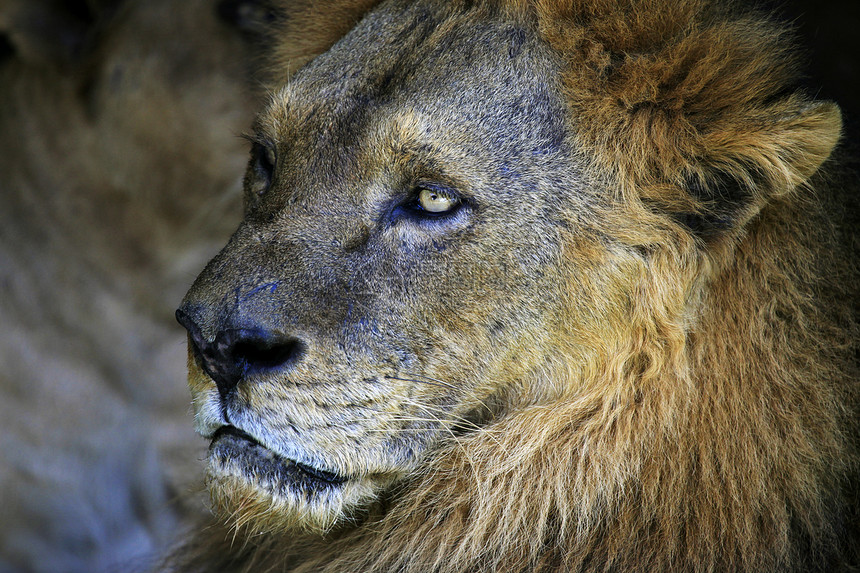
(637, 345)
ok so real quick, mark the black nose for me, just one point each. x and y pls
(235, 353)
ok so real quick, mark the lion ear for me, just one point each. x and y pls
(305, 31)
(807, 139)
(756, 158)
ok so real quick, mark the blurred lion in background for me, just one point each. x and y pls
(119, 173)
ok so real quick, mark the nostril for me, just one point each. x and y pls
(256, 352)
(236, 353)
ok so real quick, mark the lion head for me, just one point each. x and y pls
(529, 285)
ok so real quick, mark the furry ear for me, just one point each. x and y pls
(753, 158)
(691, 106)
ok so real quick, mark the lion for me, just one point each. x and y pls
(557, 285)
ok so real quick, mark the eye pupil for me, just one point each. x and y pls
(436, 200)
(265, 160)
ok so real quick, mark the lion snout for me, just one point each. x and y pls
(235, 352)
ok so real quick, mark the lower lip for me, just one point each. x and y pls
(231, 446)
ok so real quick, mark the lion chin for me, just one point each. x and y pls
(249, 481)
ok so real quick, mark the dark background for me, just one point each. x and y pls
(830, 33)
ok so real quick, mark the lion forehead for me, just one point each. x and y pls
(422, 69)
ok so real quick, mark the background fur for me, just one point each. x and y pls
(120, 171)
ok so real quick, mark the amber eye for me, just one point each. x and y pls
(434, 200)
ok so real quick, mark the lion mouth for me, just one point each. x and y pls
(231, 447)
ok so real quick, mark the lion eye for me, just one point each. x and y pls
(263, 162)
(437, 200)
